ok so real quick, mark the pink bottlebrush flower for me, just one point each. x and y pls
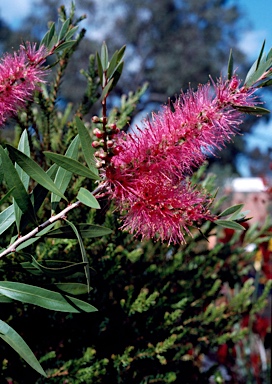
(20, 75)
(147, 176)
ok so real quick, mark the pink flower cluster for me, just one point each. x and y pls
(20, 75)
(149, 175)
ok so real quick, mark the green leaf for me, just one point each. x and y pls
(46, 40)
(83, 253)
(115, 62)
(99, 68)
(53, 268)
(72, 288)
(104, 56)
(121, 53)
(64, 29)
(117, 74)
(39, 192)
(10, 336)
(6, 196)
(252, 110)
(43, 298)
(24, 147)
(229, 224)
(260, 56)
(231, 210)
(230, 66)
(87, 198)
(85, 230)
(63, 177)
(34, 170)
(5, 299)
(106, 89)
(70, 33)
(35, 238)
(7, 218)
(266, 83)
(112, 65)
(71, 165)
(14, 182)
(86, 144)
(65, 45)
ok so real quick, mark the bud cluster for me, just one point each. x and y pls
(105, 143)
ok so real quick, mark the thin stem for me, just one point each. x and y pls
(52, 219)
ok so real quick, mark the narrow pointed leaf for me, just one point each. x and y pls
(70, 33)
(252, 110)
(87, 198)
(104, 56)
(5, 299)
(63, 177)
(6, 196)
(24, 147)
(7, 218)
(230, 210)
(85, 230)
(229, 224)
(230, 66)
(14, 182)
(64, 29)
(112, 65)
(86, 144)
(44, 298)
(53, 269)
(65, 45)
(83, 253)
(117, 74)
(121, 53)
(99, 68)
(46, 40)
(10, 336)
(72, 288)
(106, 90)
(260, 56)
(71, 165)
(35, 238)
(34, 170)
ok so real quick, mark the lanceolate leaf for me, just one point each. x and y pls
(6, 196)
(63, 176)
(34, 170)
(14, 182)
(230, 66)
(252, 110)
(24, 147)
(87, 198)
(85, 230)
(104, 56)
(7, 218)
(10, 336)
(107, 88)
(229, 224)
(83, 253)
(72, 288)
(230, 210)
(71, 165)
(86, 144)
(44, 298)
(51, 268)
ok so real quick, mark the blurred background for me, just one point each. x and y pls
(171, 44)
